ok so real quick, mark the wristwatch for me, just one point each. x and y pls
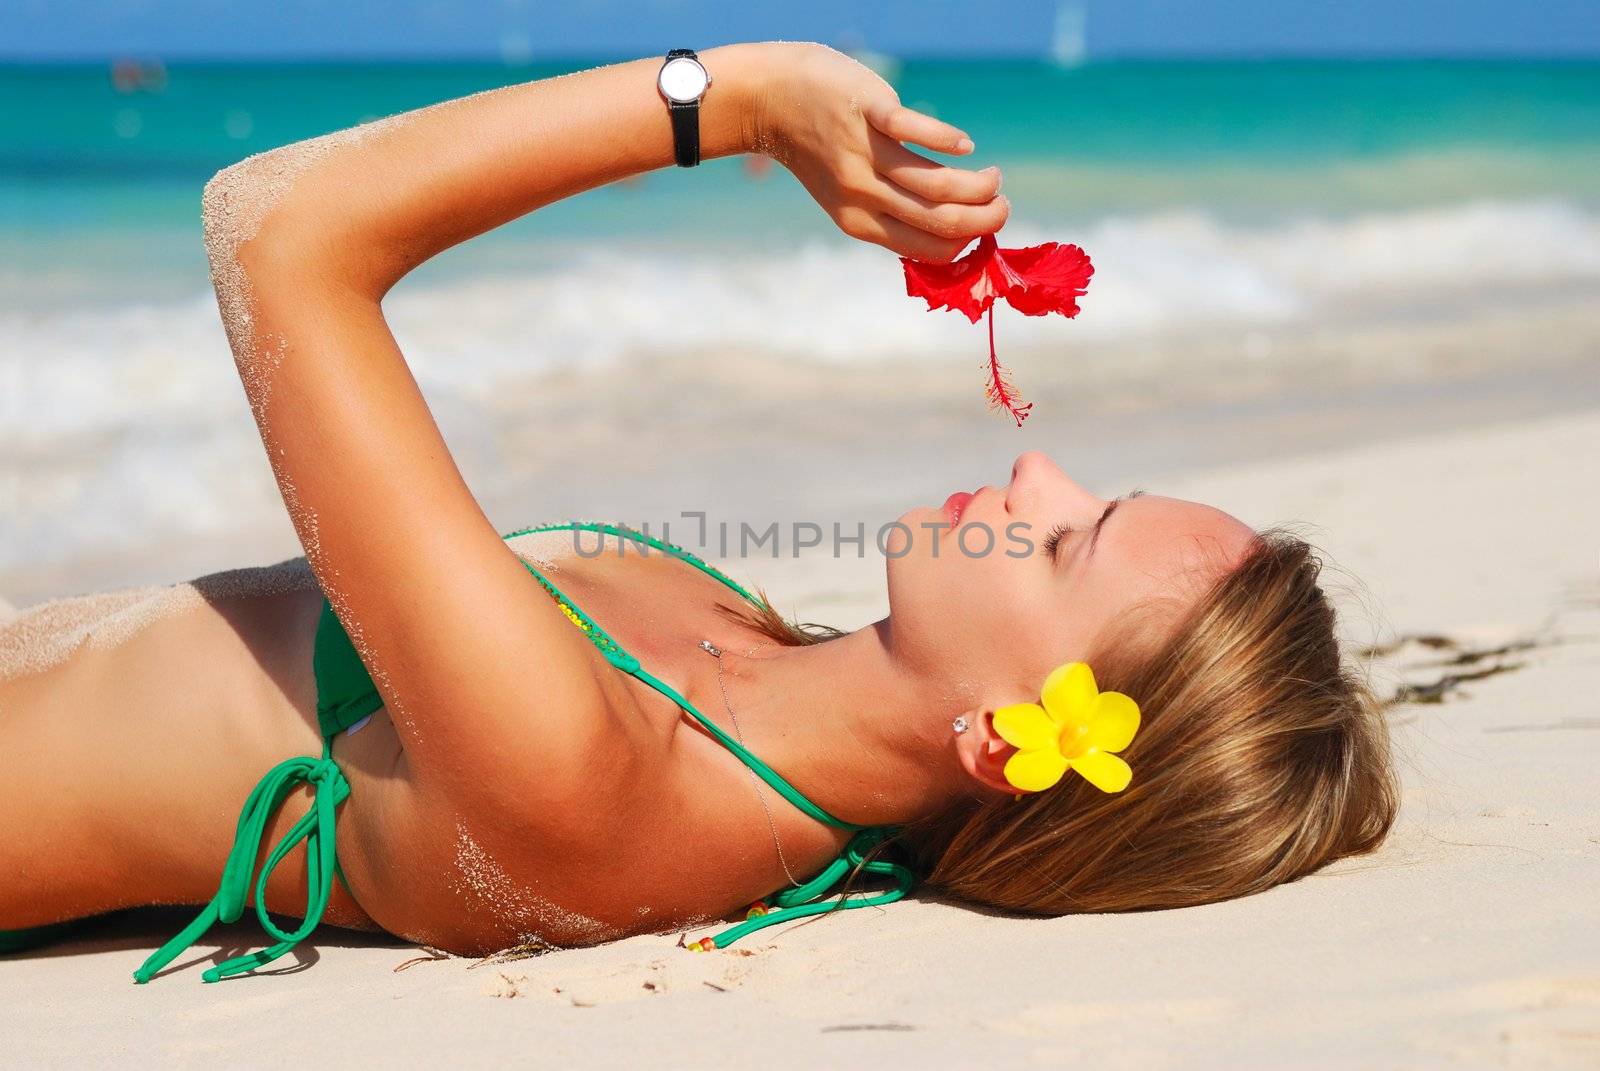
(682, 82)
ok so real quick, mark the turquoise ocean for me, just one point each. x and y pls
(1213, 196)
(94, 180)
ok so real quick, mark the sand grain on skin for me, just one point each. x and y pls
(235, 204)
(486, 885)
(41, 637)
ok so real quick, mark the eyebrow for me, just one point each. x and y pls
(1104, 517)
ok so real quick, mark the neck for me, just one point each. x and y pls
(843, 722)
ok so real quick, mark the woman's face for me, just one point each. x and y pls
(993, 589)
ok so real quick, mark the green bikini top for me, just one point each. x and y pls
(346, 695)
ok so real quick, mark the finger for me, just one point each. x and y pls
(903, 124)
(944, 220)
(935, 181)
(909, 241)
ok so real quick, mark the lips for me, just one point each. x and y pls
(955, 505)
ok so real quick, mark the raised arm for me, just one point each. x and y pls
(483, 677)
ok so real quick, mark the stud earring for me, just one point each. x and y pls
(960, 725)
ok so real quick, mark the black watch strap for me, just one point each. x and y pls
(685, 121)
(686, 132)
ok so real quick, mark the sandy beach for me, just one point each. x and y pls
(1355, 298)
(1470, 559)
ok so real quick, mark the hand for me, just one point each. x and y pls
(838, 127)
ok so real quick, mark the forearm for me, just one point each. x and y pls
(371, 203)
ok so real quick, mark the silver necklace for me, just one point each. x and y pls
(722, 686)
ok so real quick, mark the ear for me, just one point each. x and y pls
(983, 753)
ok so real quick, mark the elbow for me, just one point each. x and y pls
(255, 217)
(237, 203)
(238, 206)
(302, 208)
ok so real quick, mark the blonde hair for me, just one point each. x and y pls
(1262, 756)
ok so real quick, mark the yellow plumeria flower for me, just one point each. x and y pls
(1078, 726)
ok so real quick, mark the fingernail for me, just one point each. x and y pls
(964, 145)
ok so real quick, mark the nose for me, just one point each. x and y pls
(1030, 460)
(1036, 478)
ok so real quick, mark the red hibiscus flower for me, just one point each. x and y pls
(1036, 280)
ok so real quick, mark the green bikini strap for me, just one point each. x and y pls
(618, 656)
(624, 532)
(316, 828)
(812, 897)
(772, 777)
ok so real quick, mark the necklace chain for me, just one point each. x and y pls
(761, 797)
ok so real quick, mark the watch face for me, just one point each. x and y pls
(683, 80)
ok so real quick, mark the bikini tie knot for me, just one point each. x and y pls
(324, 771)
(315, 828)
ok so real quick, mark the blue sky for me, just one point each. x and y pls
(176, 29)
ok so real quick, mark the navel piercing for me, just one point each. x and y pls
(960, 725)
(710, 648)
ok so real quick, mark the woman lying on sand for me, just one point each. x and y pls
(517, 739)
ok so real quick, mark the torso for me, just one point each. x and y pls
(147, 717)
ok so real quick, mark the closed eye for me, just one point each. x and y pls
(1052, 542)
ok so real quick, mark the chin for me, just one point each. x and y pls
(908, 570)
(921, 538)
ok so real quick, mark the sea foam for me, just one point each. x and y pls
(131, 417)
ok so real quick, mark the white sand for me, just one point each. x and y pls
(1470, 940)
